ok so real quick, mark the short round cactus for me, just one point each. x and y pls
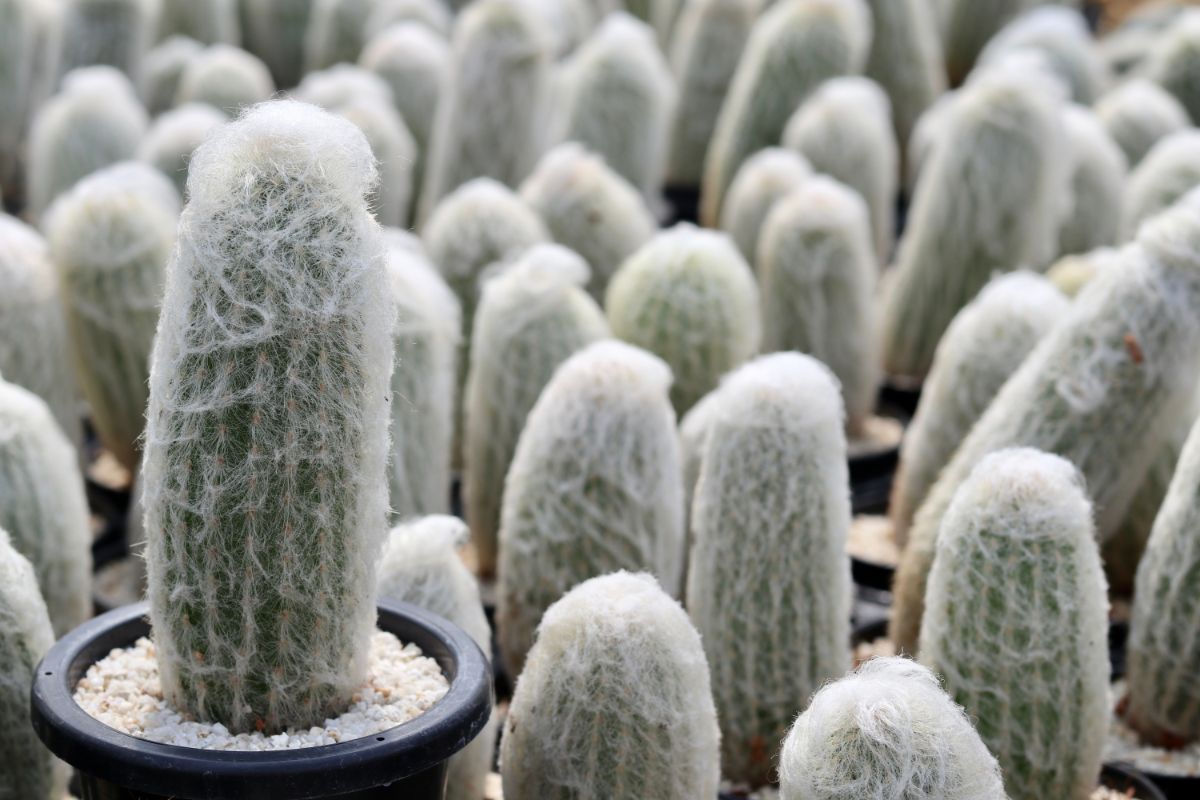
(765, 177)
(1167, 173)
(162, 69)
(115, 33)
(274, 30)
(1062, 36)
(1137, 114)
(614, 702)
(906, 60)
(225, 77)
(207, 21)
(1097, 184)
(174, 136)
(1175, 61)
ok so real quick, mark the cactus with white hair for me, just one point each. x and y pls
(966, 26)
(162, 69)
(765, 177)
(1137, 114)
(1098, 174)
(906, 60)
(225, 77)
(275, 30)
(206, 21)
(1062, 36)
(116, 33)
(1175, 61)
(1168, 172)
(337, 31)
(174, 136)
(18, 65)
(432, 15)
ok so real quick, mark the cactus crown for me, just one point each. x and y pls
(1169, 170)
(226, 77)
(1137, 114)
(765, 177)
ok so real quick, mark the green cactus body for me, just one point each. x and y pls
(1100, 390)
(906, 60)
(110, 239)
(1175, 61)
(206, 21)
(818, 279)
(765, 177)
(116, 33)
(966, 26)
(225, 77)
(1097, 184)
(794, 47)
(844, 130)
(768, 577)
(1137, 114)
(1016, 621)
(17, 66)
(267, 433)
(987, 202)
(590, 209)
(174, 136)
(433, 15)
(42, 505)
(274, 30)
(887, 730)
(162, 69)
(688, 297)
(532, 317)
(615, 701)
(594, 486)
(1061, 35)
(336, 32)
(983, 346)
(1166, 174)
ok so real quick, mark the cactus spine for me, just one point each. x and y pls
(1166, 174)
(115, 33)
(614, 702)
(225, 77)
(765, 177)
(1175, 61)
(174, 136)
(906, 60)
(603, 435)
(886, 730)
(275, 339)
(1016, 621)
(162, 70)
(768, 578)
(1097, 184)
(1137, 114)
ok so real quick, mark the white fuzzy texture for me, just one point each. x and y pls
(589, 208)
(615, 701)
(906, 59)
(1062, 35)
(966, 26)
(341, 84)
(1016, 620)
(433, 15)
(207, 21)
(1071, 273)
(42, 505)
(18, 63)
(162, 70)
(1137, 114)
(693, 437)
(116, 33)
(595, 486)
(925, 135)
(1167, 173)
(887, 730)
(226, 77)
(175, 135)
(1174, 61)
(844, 129)
(817, 269)
(765, 177)
(569, 22)
(1097, 184)
(395, 151)
(94, 121)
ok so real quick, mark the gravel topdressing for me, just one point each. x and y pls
(122, 690)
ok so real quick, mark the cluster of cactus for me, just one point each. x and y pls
(430, 14)
(967, 26)
(1061, 36)
(115, 33)
(1137, 114)
(906, 60)
(765, 177)
(18, 70)
(174, 136)
(275, 30)
(1167, 173)
(337, 31)
(206, 21)
(1176, 61)
(162, 70)
(1097, 184)
(614, 701)
(226, 78)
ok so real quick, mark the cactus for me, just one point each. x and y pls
(844, 130)
(925, 135)
(1016, 621)
(817, 270)
(17, 68)
(765, 177)
(30, 772)
(1139, 113)
(986, 203)
(162, 70)
(1167, 173)
(531, 317)
(886, 730)
(906, 60)
(1097, 184)
(342, 84)
(794, 47)
(34, 352)
(267, 433)
(983, 346)
(615, 701)
(337, 31)
(427, 334)
(274, 30)
(110, 238)
(432, 15)
(1175, 60)
(602, 434)
(493, 111)
(589, 208)
(966, 26)
(419, 565)
(115, 33)
(688, 297)
(1061, 34)
(395, 150)
(1100, 390)
(206, 21)
(618, 98)
(225, 77)
(174, 136)
(569, 22)
(1071, 273)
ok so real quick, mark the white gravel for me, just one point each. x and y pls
(122, 690)
(1124, 745)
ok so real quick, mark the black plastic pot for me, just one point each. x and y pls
(1122, 777)
(684, 204)
(875, 578)
(104, 553)
(408, 761)
(872, 472)
(900, 394)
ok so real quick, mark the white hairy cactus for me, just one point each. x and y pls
(275, 30)
(1168, 172)
(886, 730)
(396, 151)
(175, 135)
(966, 26)
(532, 316)
(42, 505)
(1098, 173)
(1016, 619)
(794, 47)
(589, 208)
(116, 33)
(595, 486)
(906, 60)
(689, 297)
(1062, 35)
(94, 121)
(615, 701)
(226, 77)
(765, 177)
(817, 270)
(337, 31)
(432, 15)
(1137, 114)
(18, 65)
(1071, 273)
(206, 21)
(769, 522)
(925, 134)
(162, 69)
(341, 84)
(1174, 62)
(844, 130)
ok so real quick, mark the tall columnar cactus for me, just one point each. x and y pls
(1100, 390)
(1167, 173)
(226, 77)
(704, 51)
(966, 26)
(42, 505)
(110, 239)
(341, 84)
(267, 432)
(765, 177)
(595, 486)
(420, 565)
(987, 202)
(983, 346)
(817, 270)
(844, 129)
(1070, 274)
(396, 151)
(18, 62)
(614, 702)
(1175, 61)
(768, 578)
(886, 730)
(162, 69)
(925, 135)
(690, 298)
(493, 111)
(531, 317)
(569, 22)
(1016, 621)
(794, 47)
(34, 352)
(112, 32)
(906, 60)
(274, 30)
(589, 208)
(337, 31)
(1097, 186)
(427, 334)
(174, 136)
(618, 98)
(1061, 35)
(1137, 114)
(30, 771)
(434, 15)
(207, 21)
